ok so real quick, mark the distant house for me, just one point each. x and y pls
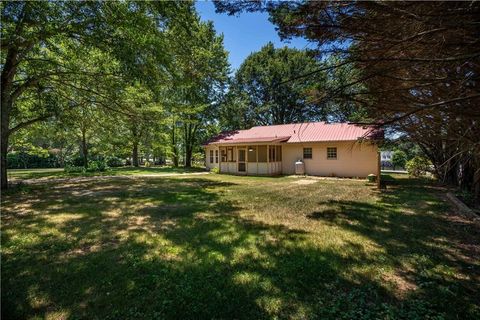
(386, 156)
(386, 159)
(324, 149)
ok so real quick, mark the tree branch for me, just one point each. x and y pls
(424, 107)
(27, 123)
(21, 88)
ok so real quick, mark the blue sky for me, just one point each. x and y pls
(245, 33)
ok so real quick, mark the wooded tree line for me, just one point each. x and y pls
(107, 78)
(418, 63)
(83, 81)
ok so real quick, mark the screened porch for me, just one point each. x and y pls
(251, 159)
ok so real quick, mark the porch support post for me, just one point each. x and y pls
(268, 159)
(379, 170)
(246, 160)
(256, 156)
(219, 159)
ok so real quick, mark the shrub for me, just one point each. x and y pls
(97, 165)
(73, 169)
(114, 161)
(93, 166)
(386, 163)
(147, 164)
(24, 160)
(74, 161)
(198, 159)
(215, 170)
(399, 159)
(418, 166)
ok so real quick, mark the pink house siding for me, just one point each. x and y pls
(355, 147)
(353, 159)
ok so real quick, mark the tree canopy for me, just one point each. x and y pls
(418, 62)
(106, 68)
(262, 93)
(259, 82)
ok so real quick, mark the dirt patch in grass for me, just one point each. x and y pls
(305, 181)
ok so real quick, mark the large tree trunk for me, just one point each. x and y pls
(8, 95)
(174, 147)
(8, 72)
(188, 151)
(135, 154)
(4, 136)
(5, 119)
(188, 156)
(476, 188)
(3, 164)
(190, 131)
(135, 140)
(84, 149)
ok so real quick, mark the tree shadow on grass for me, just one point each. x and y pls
(167, 248)
(433, 250)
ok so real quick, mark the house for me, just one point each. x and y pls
(386, 159)
(326, 149)
(386, 155)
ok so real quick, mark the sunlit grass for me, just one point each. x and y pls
(219, 246)
(50, 173)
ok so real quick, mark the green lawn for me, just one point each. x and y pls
(218, 246)
(22, 174)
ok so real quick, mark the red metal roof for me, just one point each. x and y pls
(236, 140)
(297, 132)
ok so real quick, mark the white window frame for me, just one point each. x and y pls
(330, 152)
(311, 153)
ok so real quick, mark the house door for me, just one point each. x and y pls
(241, 165)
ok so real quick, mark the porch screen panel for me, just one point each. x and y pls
(279, 153)
(224, 155)
(230, 157)
(262, 153)
(241, 155)
(252, 154)
(271, 154)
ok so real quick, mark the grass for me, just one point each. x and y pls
(22, 174)
(218, 246)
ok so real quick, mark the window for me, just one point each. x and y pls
(216, 156)
(211, 156)
(307, 153)
(332, 153)
(279, 153)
